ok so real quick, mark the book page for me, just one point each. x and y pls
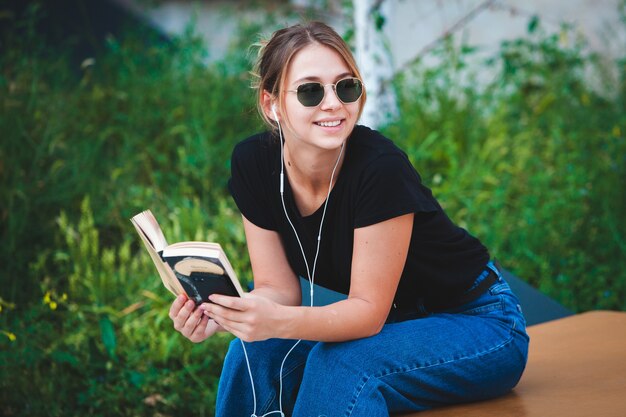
(210, 246)
(148, 224)
(191, 249)
(165, 272)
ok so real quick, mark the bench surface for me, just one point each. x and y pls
(576, 368)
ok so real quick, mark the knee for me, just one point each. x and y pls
(335, 382)
(332, 360)
(235, 355)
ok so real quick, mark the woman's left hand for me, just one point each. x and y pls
(251, 317)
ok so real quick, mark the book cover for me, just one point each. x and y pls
(197, 269)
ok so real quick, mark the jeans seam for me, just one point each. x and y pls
(384, 374)
(497, 288)
(265, 408)
(356, 397)
(485, 309)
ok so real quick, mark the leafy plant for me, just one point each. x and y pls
(531, 162)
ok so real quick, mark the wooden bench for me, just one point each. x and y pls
(576, 368)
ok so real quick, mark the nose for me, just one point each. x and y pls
(330, 100)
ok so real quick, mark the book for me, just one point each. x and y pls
(197, 269)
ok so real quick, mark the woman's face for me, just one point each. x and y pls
(327, 125)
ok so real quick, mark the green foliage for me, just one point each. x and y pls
(141, 125)
(84, 327)
(533, 162)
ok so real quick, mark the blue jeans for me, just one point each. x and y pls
(474, 352)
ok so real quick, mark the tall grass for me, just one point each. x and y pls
(533, 162)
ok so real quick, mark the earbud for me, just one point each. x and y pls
(274, 112)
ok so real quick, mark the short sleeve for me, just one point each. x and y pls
(249, 181)
(391, 187)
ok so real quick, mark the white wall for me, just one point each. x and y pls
(411, 24)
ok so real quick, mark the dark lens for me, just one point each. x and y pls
(349, 90)
(310, 94)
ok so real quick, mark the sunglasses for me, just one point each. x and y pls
(347, 90)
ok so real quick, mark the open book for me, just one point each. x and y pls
(198, 269)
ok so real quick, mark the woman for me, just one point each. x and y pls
(428, 319)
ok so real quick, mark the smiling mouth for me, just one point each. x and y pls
(329, 124)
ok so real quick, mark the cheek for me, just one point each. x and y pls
(353, 110)
(298, 117)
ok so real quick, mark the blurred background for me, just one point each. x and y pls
(513, 112)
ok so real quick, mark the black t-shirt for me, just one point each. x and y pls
(377, 182)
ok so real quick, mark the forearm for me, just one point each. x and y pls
(282, 296)
(256, 317)
(348, 319)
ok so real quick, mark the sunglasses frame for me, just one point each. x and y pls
(334, 85)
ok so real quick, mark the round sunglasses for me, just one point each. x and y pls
(347, 90)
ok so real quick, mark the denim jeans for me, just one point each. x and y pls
(474, 352)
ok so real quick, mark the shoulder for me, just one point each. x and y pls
(255, 158)
(372, 142)
(254, 164)
(252, 146)
(384, 182)
(369, 149)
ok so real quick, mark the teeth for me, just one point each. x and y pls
(330, 124)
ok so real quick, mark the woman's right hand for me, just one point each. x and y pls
(190, 321)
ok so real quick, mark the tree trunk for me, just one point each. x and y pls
(374, 61)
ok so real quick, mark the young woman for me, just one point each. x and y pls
(428, 319)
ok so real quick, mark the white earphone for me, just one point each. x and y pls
(274, 113)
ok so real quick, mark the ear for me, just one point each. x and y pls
(267, 101)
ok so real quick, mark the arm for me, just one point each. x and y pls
(379, 255)
(273, 276)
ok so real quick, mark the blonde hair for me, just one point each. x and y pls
(276, 54)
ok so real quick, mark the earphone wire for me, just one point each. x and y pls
(310, 273)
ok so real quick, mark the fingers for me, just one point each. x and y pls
(189, 320)
(178, 303)
(201, 331)
(223, 314)
(239, 330)
(225, 309)
(233, 303)
(243, 317)
(180, 312)
(212, 327)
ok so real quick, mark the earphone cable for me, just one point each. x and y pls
(310, 274)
